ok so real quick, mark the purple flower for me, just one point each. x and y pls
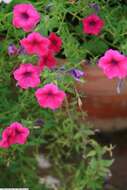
(76, 74)
(95, 6)
(12, 50)
(39, 122)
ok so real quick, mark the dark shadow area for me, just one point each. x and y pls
(119, 167)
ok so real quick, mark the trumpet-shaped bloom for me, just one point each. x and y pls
(48, 60)
(14, 134)
(25, 16)
(114, 64)
(21, 133)
(35, 43)
(50, 96)
(92, 24)
(27, 76)
(56, 42)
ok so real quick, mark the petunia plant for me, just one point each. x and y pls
(43, 46)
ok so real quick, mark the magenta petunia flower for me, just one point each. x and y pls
(50, 96)
(21, 133)
(56, 42)
(27, 76)
(48, 60)
(92, 24)
(35, 43)
(25, 16)
(114, 64)
(14, 134)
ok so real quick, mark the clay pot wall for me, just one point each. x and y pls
(106, 109)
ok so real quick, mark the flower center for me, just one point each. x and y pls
(45, 58)
(27, 74)
(8, 136)
(92, 23)
(24, 16)
(49, 93)
(17, 132)
(35, 42)
(54, 42)
(114, 62)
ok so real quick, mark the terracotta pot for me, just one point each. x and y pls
(105, 108)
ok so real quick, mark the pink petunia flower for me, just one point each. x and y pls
(50, 96)
(14, 134)
(114, 64)
(35, 43)
(27, 76)
(21, 133)
(92, 24)
(25, 16)
(56, 42)
(48, 60)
